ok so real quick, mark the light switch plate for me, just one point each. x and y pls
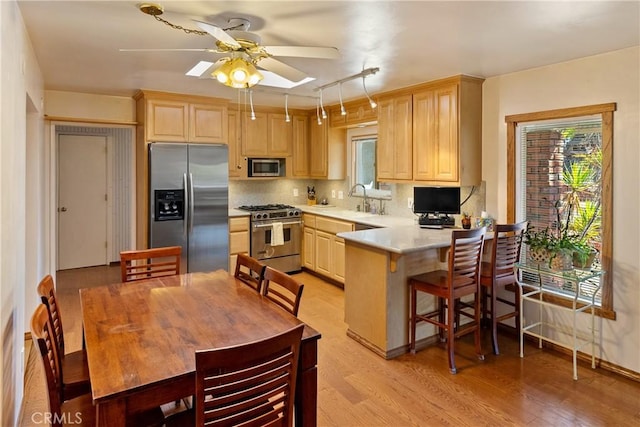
(340, 195)
(295, 192)
(333, 194)
(410, 202)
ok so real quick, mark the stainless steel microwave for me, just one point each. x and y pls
(265, 167)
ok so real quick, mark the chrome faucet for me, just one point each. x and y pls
(366, 207)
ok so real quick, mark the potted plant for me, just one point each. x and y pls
(550, 247)
(583, 254)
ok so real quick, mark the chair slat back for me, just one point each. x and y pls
(506, 249)
(47, 292)
(149, 263)
(43, 336)
(466, 251)
(252, 383)
(250, 271)
(282, 289)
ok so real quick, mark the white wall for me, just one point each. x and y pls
(21, 88)
(610, 77)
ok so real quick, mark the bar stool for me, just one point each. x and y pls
(461, 279)
(498, 274)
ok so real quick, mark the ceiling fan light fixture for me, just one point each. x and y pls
(238, 73)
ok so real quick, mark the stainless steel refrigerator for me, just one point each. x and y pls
(189, 191)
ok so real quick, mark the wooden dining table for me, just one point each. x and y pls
(141, 339)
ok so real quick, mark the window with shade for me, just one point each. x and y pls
(560, 178)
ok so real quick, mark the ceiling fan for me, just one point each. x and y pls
(244, 53)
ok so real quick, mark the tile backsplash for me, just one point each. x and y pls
(248, 192)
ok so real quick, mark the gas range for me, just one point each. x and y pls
(267, 221)
(271, 211)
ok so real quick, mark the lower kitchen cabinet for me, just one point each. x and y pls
(324, 252)
(309, 248)
(238, 239)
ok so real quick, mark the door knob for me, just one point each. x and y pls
(63, 209)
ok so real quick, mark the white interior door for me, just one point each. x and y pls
(82, 201)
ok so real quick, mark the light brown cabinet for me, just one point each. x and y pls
(323, 251)
(269, 135)
(356, 113)
(238, 239)
(300, 147)
(327, 151)
(395, 139)
(435, 135)
(432, 134)
(237, 166)
(208, 123)
(182, 118)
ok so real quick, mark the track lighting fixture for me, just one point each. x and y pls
(318, 111)
(287, 118)
(324, 114)
(363, 74)
(371, 101)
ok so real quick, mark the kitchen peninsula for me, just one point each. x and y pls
(376, 295)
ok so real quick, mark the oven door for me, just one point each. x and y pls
(261, 233)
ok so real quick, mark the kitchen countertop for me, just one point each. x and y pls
(238, 212)
(396, 234)
(359, 217)
(401, 239)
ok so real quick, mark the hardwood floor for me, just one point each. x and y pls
(358, 388)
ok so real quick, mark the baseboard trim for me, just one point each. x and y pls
(325, 278)
(583, 357)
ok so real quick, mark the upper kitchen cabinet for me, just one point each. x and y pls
(327, 151)
(394, 146)
(268, 135)
(447, 133)
(237, 165)
(170, 117)
(356, 113)
(444, 128)
(300, 157)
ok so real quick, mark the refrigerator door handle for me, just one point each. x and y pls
(191, 203)
(187, 201)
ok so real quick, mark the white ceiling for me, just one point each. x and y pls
(77, 42)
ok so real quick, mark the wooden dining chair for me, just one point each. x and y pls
(74, 371)
(461, 279)
(148, 263)
(250, 271)
(498, 274)
(251, 384)
(282, 289)
(80, 410)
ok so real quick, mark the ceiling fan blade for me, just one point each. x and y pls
(219, 34)
(282, 69)
(172, 50)
(203, 69)
(304, 51)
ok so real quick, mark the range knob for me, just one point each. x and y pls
(296, 213)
